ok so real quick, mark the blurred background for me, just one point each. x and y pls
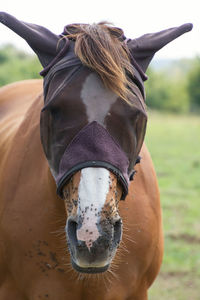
(173, 100)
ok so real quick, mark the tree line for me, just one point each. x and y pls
(175, 87)
(17, 65)
(172, 88)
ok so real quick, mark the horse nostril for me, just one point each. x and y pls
(71, 230)
(117, 231)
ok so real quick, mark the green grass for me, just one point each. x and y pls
(174, 144)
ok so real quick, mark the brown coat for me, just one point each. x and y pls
(34, 259)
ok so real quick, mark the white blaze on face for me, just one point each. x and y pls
(92, 192)
(97, 99)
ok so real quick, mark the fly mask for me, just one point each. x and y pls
(77, 132)
(83, 124)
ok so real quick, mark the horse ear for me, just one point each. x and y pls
(41, 40)
(144, 47)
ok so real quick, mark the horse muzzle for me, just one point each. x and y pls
(93, 255)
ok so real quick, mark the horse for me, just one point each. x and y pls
(74, 223)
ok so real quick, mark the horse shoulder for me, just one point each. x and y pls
(141, 212)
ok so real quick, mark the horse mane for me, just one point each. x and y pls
(101, 47)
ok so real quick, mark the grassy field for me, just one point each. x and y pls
(174, 143)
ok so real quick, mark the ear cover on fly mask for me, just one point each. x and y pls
(43, 42)
(47, 44)
(144, 48)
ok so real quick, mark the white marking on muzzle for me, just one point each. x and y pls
(92, 191)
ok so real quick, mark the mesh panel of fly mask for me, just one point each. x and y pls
(73, 140)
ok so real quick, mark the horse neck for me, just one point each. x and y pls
(26, 164)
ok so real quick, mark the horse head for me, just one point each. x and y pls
(92, 125)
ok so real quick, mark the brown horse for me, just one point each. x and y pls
(92, 128)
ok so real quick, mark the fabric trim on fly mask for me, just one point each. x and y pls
(93, 146)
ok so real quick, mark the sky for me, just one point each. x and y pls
(134, 17)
